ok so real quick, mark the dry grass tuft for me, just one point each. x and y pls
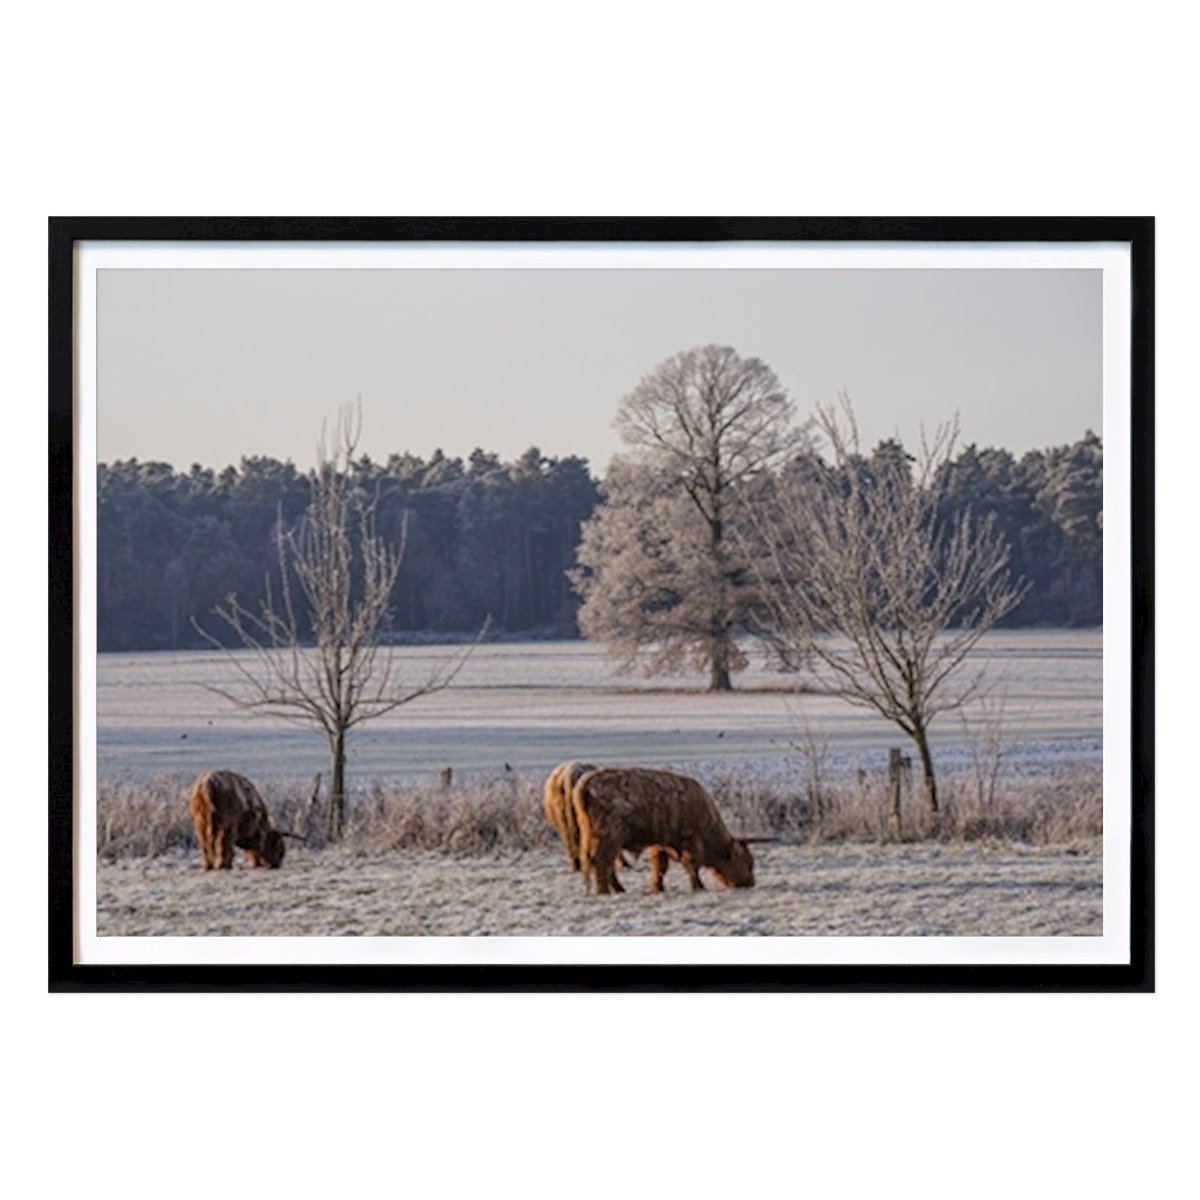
(478, 818)
(492, 815)
(1061, 810)
(143, 820)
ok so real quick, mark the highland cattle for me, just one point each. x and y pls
(556, 800)
(635, 808)
(228, 812)
(560, 811)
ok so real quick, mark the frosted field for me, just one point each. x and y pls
(813, 891)
(530, 705)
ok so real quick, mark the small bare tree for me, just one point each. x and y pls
(813, 748)
(868, 576)
(988, 736)
(316, 650)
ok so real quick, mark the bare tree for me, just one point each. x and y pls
(702, 426)
(813, 748)
(866, 575)
(989, 737)
(316, 645)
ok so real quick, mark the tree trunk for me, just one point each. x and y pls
(337, 786)
(718, 677)
(922, 741)
(718, 680)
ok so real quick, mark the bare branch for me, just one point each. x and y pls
(317, 651)
(865, 572)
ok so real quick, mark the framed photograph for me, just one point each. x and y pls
(596, 604)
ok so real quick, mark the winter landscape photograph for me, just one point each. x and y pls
(619, 594)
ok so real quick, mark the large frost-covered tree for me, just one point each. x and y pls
(649, 580)
(660, 574)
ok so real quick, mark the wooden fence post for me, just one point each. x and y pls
(895, 771)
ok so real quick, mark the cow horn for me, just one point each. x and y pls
(754, 841)
(298, 836)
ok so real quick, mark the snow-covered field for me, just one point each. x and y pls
(848, 890)
(515, 710)
(530, 705)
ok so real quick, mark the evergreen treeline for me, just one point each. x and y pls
(1048, 506)
(480, 538)
(485, 537)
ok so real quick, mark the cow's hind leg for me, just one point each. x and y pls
(602, 859)
(658, 867)
(571, 837)
(612, 858)
(691, 864)
(602, 875)
(223, 848)
(204, 835)
(587, 864)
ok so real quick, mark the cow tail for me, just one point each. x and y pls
(582, 831)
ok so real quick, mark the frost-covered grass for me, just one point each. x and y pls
(1063, 808)
(801, 890)
(789, 802)
(479, 858)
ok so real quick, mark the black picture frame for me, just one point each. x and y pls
(67, 974)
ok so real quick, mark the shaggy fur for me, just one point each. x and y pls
(560, 811)
(556, 799)
(229, 812)
(632, 808)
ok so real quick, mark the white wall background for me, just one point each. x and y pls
(531, 108)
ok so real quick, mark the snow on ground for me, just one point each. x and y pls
(849, 890)
(521, 708)
(532, 705)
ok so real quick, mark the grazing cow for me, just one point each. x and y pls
(229, 812)
(632, 808)
(556, 799)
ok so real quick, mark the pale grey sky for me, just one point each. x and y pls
(209, 365)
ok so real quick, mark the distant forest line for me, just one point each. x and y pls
(485, 538)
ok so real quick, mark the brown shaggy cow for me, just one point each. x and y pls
(560, 811)
(229, 812)
(632, 808)
(556, 799)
